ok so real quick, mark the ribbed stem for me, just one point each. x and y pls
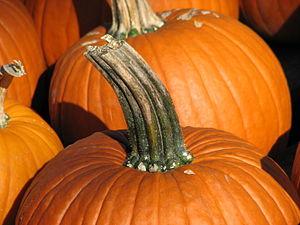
(133, 17)
(7, 73)
(123, 66)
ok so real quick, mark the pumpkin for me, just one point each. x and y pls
(26, 144)
(276, 19)
(60, 23)
(296, 170)
(192, 54)
(93, 182)
(228, 7)
(19, 40)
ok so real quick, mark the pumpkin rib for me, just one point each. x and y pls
(261, 184)
(9, 172)
(54, 189)
(201, 177)
(183, 202)
(112, 183)
(142, 178)
(88, 87)
(35, 161)
(33, 131)
(255, 93)
(263, 21)
(227, 191)
(220, 74)
(20, 14)
(20, 52)
(258, 69)
(213, 105)
(79, 191)
(246, 191)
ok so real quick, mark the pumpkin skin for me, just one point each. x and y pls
(206, 89)
(277, 19)
(19, 41)
(228, 8)
(26, 144)
(57, 30)
(86, 183)
(296, 170)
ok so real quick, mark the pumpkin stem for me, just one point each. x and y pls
(7, 73)
(133, 17)
(154, 131)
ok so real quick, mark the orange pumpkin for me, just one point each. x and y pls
(26, 144)
(19, 40)
(60, 23)
(227, 7)
(193, 55)
(88, 183)
(274, 19)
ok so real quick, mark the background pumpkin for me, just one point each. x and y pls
(19, 40)
(249, 99)
(26, 144)
(225, 184)
(296, 170)
(61, 23)
(227, 7)
(275, 19)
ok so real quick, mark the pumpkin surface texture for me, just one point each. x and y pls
(26, 144)
(205, 176)
(193, 55)
(60, 23)
(19, 40)
(274, 19)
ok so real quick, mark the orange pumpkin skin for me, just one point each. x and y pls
(275, 19)
(60, 23)
(207, 89)
(19, 41)
(227, 7)
(87, 184)
(26, 144)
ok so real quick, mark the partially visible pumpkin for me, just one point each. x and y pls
(19, 40)
(60, 23)
(296, 170)
(274, 19)
(225, 7)
(87, 183)
(195, 55)
(26, 144)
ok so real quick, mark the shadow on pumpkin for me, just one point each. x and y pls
(77, 123)
(289, 31)
(267, 165)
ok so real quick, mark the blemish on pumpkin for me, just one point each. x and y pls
(205, 12)
(198, 24)
(89, 42)
(227, 178)
(189, 172)
(189, 14)
(166, 14)
(216, 15)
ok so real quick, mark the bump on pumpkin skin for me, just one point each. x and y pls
(198, 24)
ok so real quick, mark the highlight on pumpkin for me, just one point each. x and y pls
(154, 132)
(7, 73)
